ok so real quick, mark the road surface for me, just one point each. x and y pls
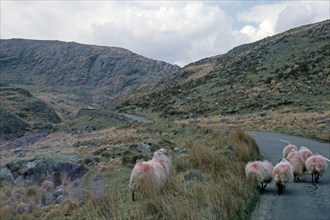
(301, 200)
(137, 118)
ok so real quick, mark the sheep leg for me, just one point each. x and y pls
(317, 178)
(279, 189)
(312, 177)
(133, 196)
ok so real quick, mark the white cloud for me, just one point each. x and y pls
(174, 31)
(264, 29)
(262, 19)
(271, 18)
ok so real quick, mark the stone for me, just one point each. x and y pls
(6, 176)
(194, 174)
(263, 114)
(143, 147)
(266, 107)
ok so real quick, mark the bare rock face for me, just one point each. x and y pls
(93, 74)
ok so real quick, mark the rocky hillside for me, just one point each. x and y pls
(21, 113)
(289, 69)
(77, 74)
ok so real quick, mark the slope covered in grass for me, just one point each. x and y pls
(219, 157)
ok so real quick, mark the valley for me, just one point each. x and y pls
(75, 119)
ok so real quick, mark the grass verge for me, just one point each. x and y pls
(222, 193)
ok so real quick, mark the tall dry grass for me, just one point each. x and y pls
(223, 193)
(285, 120)
(245, 146)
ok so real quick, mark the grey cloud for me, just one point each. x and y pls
(173, 31)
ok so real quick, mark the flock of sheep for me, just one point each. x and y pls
(156, 171)
(294, 162)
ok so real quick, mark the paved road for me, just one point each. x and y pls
(137, 118)
(301, 200)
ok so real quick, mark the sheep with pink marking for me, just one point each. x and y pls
(305, 152)
(282, 175)
(297, 162)
(316, 165)
(260, 171)
(150, 176)
(287, 149)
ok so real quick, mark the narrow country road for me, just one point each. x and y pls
(301, 200)
(137, 118)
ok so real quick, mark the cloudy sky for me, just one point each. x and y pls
(178, 32)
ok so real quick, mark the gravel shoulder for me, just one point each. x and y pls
(301, 200)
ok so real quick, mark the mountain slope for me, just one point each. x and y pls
(91, 75)
(289, 69)
(21, 112)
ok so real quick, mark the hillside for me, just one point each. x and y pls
(277, 84)
(72, 75)
(21, 113)
(289, 69)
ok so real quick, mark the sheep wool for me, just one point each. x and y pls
(268, 171)
(261, 171)
(150, 175)
(297, 162)
(305, 152)
(316, 165)
(287, 149)
(282, 175)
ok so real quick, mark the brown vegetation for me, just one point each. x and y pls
(307, 124)
(224, 193)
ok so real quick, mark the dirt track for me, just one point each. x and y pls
(301, 200)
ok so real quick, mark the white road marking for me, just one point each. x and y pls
(285, 141)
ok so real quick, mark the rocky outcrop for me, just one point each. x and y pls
(53, 167)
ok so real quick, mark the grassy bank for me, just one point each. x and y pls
(218, 191)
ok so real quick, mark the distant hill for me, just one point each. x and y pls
(77, 74)
(288, 69)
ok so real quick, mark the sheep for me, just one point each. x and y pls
(316, 165)
(305, 152)
(268, 168)
(152, 174)
(287, 149)
(297, 162)
(261, 171)
(282, 175)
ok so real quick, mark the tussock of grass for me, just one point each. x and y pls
(47, 185)
(246, 148)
